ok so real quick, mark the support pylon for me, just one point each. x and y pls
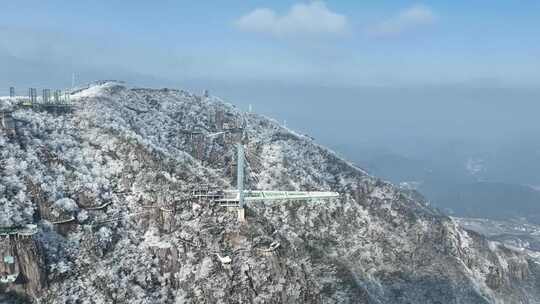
(240, 183)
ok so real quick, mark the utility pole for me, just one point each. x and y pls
(72, 81)
(46, 96)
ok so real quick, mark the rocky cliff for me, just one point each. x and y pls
(109, 186)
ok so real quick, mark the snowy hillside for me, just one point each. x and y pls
(109, 187)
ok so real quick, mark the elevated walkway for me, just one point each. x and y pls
(233, 196)
(63, 221)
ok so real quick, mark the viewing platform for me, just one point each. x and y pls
(233, 196)
(24, 231)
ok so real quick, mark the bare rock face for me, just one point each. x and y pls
(123, 166)
(22, 268)
(32, 265)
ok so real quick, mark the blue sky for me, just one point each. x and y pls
(333, 43)
(407, 76)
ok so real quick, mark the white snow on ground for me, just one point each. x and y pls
(152, 239)
(66, 204)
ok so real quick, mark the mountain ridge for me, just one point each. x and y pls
(123, 147)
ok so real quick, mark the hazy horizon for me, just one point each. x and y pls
(435, 83)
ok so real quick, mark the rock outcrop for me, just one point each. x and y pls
(22, 268)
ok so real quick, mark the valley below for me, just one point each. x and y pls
(517, 234)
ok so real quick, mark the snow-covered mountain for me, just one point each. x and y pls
(108, 186)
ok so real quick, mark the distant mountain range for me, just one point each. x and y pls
(494, 184)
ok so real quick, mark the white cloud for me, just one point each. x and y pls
(302, 19)
(409, 19)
